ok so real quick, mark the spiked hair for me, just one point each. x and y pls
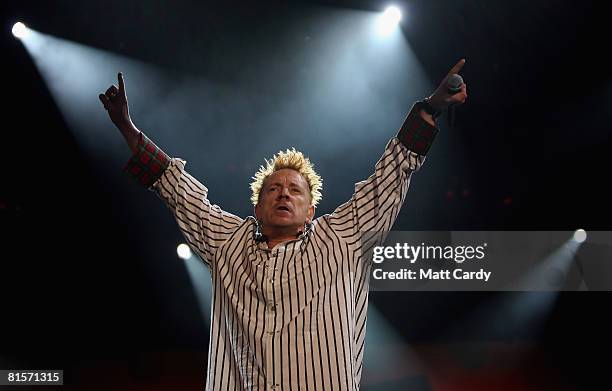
(294, 160)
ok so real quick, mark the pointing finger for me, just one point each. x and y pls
(121, 83)
(457, 67)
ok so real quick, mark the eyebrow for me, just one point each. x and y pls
(280, 184)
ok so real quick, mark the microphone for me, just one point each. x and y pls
(453, 84)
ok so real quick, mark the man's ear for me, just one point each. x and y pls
(310, 213)
(256, 211)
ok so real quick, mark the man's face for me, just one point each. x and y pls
(284, 201)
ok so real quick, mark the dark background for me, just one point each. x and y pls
(86, 277)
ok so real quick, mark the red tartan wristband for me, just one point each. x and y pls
(148, 163)
(417, 134)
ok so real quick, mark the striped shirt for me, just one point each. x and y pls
(292, 317)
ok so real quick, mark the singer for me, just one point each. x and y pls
(290, 292)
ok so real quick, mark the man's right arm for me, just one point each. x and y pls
(131, 135)
(204, 226)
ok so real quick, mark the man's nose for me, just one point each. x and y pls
(284, 192)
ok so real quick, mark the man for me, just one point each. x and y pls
(290, 293)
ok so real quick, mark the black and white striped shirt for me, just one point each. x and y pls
(294, 317)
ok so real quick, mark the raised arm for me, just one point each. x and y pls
(205, 226)
(376, 201)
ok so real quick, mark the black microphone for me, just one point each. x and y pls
(453, 84)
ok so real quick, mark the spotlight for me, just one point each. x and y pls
(20, 30)
(388, 21)
(183, 251)
(392, 15)
(580, 235)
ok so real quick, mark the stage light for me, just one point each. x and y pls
(20, 30)
(580, 235)
(183, 251)
(388, 21)
(392, 15)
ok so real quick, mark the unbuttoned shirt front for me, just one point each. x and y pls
(292, 317)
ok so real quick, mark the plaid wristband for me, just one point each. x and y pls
(417, 134)
(148, 164)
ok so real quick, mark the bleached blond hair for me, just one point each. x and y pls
(294, 160)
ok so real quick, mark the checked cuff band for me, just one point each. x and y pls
(148, 163)
(417, 134)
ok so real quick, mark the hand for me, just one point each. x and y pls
(116, 104)
(441, 98)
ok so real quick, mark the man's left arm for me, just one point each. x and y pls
(376, 201)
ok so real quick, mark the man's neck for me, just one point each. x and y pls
(275, 237)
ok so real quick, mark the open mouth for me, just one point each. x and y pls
(283, 208)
